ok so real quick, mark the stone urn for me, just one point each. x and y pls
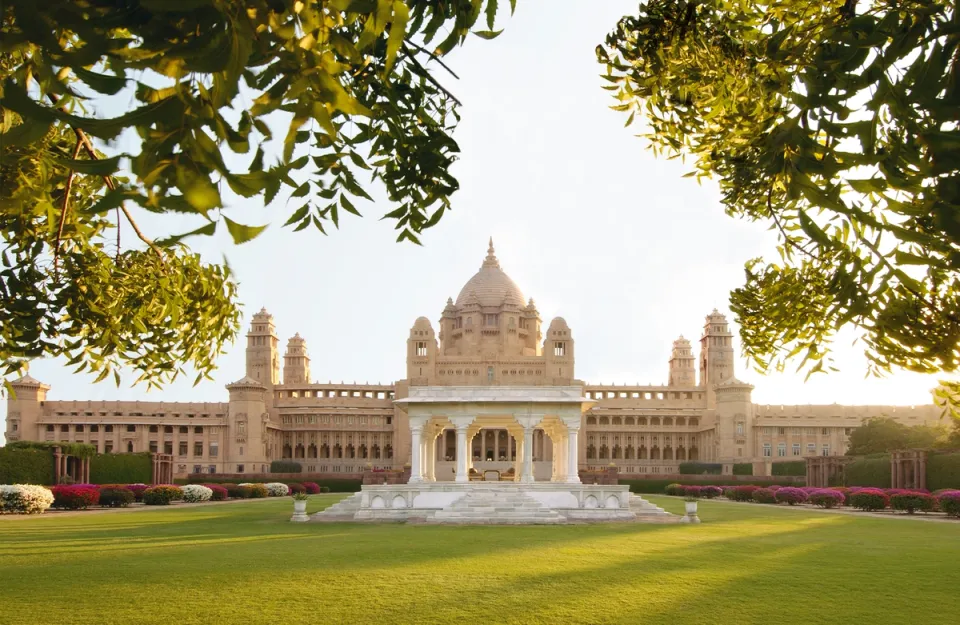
(691, 508)
(299, 511)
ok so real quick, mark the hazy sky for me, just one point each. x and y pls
(584, 218)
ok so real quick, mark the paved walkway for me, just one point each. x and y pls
(886, 514)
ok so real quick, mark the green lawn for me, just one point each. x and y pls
(246, 563)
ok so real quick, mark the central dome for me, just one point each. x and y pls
(491, 285)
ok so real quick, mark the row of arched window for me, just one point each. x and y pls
(641, 453)
(337, 451)
(670, 421)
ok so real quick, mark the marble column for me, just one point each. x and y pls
(573, 468)
(527, 476)
(416, 465)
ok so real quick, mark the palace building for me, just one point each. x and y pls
(491, 337)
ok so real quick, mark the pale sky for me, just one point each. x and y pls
(584, 218)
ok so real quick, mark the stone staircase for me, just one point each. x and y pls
(344, 510)
(496, 507)
(646, 511)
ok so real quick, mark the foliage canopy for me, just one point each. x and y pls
(836, 122)
(206, 76)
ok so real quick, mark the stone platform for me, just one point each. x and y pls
(495, 503)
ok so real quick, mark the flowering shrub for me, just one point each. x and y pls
(692, 491)
(218, 492)
(868, 499)
(162, 495)
(826, 497)
(764, 495)
(675, 490)
(312, 488)
(277, 489)
(195, 493)
(790, 495)
(257, 491)
(75, 497)
(116, 497)
(710, 492)
(237, 491)
(913, 501)
(297, 488)
(24, 499)
(742, 493)
(949, 502)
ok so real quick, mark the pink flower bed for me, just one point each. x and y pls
(790, 495)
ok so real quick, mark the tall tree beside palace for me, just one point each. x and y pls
(357, 83)
(836, 123)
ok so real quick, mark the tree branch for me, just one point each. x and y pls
(82, 139)
(426, 74)
(65, 207)
(432, 56)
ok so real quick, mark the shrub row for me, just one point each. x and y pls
(24, 499)
(25, 466)
(332, 485)
(867, 499)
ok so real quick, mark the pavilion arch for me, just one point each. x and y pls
(375, 452)
(363, 451)
(617, 452)
(351, 451)
(641, 420)
(388, 452)
(668, 421)
(694, 422)
(616, 421)
(681, 421)
(337, 451)
(591, 420)
(604, 420)
(654, 420)
(629, 421)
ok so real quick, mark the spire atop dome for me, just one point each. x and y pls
(491, 259)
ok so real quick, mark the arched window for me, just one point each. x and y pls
(312, 451)
(641, 420)
(694, 422)
(129, 447)
(604, 452)
(337, 451)
(363, 451)
(324, 451)
(287, 451)
(667, 421)
(617, 421)
(375, 451)
(629, 453)
(681, 453)
(642, 453)
(655, 453)
(617, 452)
(591, 420)
(388, 451)
(654, 420)
(668, 453)
(681, 421)
(604, 420)
(351, 452)
(628, 421)
(591, 452)
(298, 452)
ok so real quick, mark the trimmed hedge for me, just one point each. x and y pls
(335, 486)
(78, 450)
(869, 471)
(700, 468)
(793, 467)
(744, 468)
(943, 471)
(285, 466)
(657, 487)
(121, 468)
(25, 466)
(162, 495)
(116, 497)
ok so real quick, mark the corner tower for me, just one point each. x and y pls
(682, 364)
(296, 362)
(24, 408)
(263, 353)
(716, 353)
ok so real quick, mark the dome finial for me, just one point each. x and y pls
(491, 259)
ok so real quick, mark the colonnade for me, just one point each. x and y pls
(562, 431)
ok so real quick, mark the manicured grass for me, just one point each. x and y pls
(246, 563)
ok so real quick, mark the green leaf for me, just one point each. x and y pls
(398, 31)
(99, 167)
(197, 189)
(488, 34)
(242, 233)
